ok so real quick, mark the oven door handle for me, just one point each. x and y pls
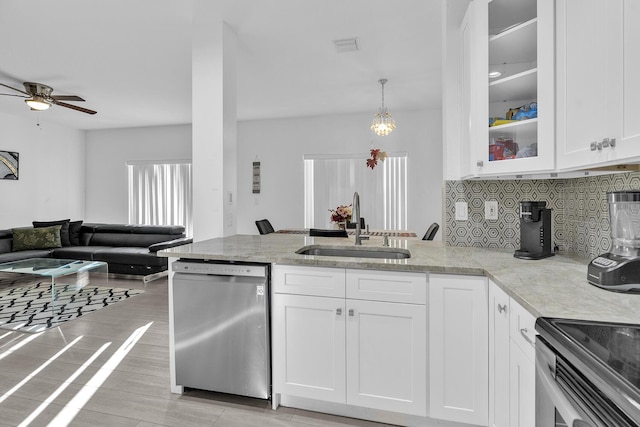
(560, 400)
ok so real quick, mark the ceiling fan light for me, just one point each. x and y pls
(37, 103)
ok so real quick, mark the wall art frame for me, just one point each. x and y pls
(9, 164)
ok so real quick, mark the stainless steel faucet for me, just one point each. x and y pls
(356, 214)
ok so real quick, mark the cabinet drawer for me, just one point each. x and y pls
(327, 282)
(389, 286)
(523, 332)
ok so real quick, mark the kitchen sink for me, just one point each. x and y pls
(353, 252)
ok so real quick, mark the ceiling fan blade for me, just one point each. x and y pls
(74, 107)
(13, 88)
(11, 94)
(67, 98)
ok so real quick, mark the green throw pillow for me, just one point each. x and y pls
(26, 238)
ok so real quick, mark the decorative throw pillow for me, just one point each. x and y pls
(26, 238)
(74, 232)
(64, 229)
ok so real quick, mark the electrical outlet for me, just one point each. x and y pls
(491, 209)
(461, 211)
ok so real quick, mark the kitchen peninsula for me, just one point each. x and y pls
(436, 277)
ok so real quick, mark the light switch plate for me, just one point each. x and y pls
(491, 209)
(461, 211)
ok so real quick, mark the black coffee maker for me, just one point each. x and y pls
(535, 231)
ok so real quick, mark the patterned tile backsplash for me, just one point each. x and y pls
(580, 211)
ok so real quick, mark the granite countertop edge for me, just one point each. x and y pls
(551, 287)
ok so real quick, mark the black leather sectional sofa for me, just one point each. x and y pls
(128, 249)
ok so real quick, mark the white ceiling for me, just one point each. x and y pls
(131, 59)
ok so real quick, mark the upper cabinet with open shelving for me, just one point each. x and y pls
(512, 106)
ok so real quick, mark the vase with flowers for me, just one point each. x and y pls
(340, 216)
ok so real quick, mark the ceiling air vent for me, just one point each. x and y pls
(346, 45)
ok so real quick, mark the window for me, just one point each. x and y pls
(160, 194)
(331, 180)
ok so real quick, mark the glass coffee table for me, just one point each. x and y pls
(53, 275)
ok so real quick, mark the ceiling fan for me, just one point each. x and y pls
(38, 97)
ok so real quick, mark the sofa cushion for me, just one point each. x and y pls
(127, 239)
(20, 255)
(6, 241)
(64, 229)
(176, 230)
(84, 253)
(25, 238)
(74, 232)
(128, 255)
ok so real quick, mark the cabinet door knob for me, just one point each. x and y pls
(593, 146)
(502, 308)
(351, 312)
(479, 163)
(339, 312)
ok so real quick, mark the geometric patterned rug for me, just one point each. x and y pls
(30, 309)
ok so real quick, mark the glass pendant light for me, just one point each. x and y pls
(383, 124)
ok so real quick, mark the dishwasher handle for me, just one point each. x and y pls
(219, 269)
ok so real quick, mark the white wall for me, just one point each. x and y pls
(51, 172)
(107, 154)
(280, 145)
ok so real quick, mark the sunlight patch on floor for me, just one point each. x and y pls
(63, 386)
(38, 370)
(69, 412)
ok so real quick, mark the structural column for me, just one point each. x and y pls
(213, 123)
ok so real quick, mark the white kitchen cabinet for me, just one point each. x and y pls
(598, 45)
(511, 362)
(458, 368)
(318, 281)
(499, 344)
(522, 387)
(367, 351)
(515, 38)
(386, 356)
(589, 84)
(629, 145)
(309, 347)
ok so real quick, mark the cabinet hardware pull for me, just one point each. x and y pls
(351, 312)
(593, 146)
(502, 308)
(339, 312)
(524, 332)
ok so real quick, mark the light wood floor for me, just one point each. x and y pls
(39, 389)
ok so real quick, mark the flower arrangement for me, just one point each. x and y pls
(376, 154)
(341, 214)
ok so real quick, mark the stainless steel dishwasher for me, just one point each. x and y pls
(221, 327)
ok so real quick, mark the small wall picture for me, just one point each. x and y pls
(8, 165)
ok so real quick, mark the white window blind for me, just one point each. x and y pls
(330, 181)
(160, 194)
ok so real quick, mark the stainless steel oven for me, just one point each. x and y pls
(587, 374)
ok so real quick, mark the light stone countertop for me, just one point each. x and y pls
(552, 287)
